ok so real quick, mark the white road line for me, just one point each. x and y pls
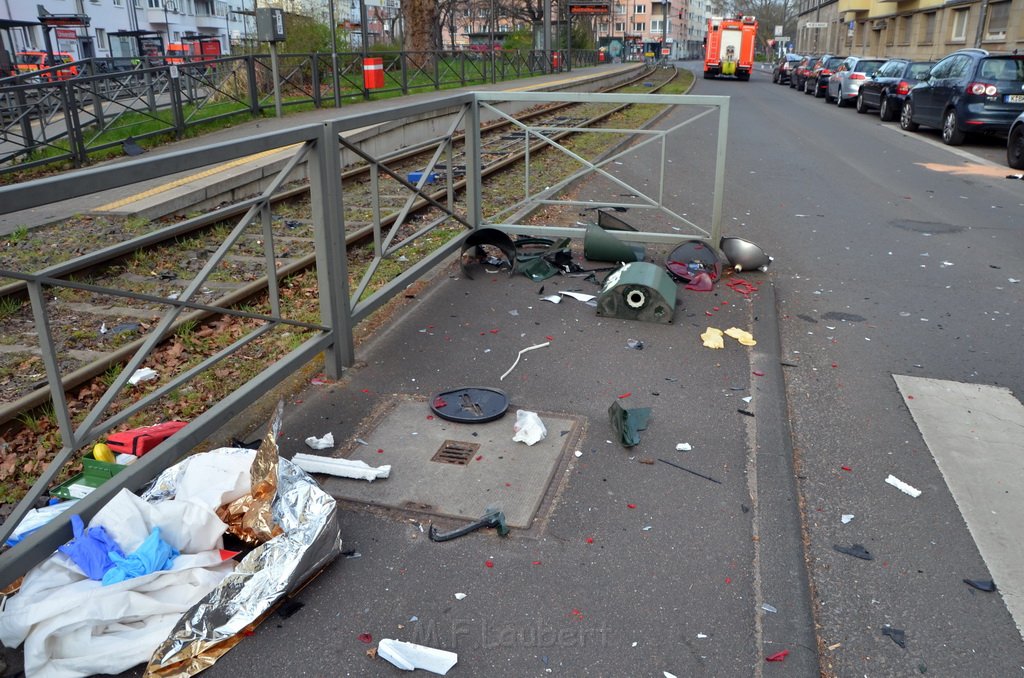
(966, 155)
(975, 433)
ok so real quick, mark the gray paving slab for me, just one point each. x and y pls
(500, 473)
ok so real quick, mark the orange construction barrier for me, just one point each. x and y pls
(373, 72)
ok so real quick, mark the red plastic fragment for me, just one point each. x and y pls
(630, 505)
(777, 657)
(536, 562)
(489, 563)
(479, 457)
(758, 374)
(365, 638)
(494, 331)
(728, 580)
(625, 395)
(549, 338)
(380, 451)
(846, 468)
(590, 540)
(228, 555)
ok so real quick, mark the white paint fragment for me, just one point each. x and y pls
(902, 486)
(325, 443)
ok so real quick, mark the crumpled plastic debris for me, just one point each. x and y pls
(325, 443)
(141, 375)
(712, 338)
(899, 636)
(628, 423)
(846, 518)
(36, 518)
(410, 656)
(742, 336)
(777, 657)
(683, 447)
(902, 486)
(91, 549)
(768, 608)
(701, 282)
(153, 555)
(855, 550)
(528, 428)
(635, 344)
(986, 585)
(343, 468)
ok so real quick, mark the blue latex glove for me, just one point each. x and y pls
(153, 555)
(91, 549)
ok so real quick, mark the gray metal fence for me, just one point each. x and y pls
(44, 119)
(320, 147)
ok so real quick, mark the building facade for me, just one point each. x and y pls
(918, 29)
(637, 27)
(111, 22)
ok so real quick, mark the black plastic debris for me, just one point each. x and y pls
(899, 636)
(488, 247)
(131, 148)
(699, 475)
(744, 412)
(855, 550)
(986, 585)
(470, 404)
(628, 423)
(288, 608)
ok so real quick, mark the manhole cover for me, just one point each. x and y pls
(455, 452)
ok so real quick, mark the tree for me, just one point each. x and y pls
(420, 27)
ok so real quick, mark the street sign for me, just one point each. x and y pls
(816, 24)
(782, 38)
(778, 31)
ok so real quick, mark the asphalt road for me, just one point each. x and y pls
(893, 256)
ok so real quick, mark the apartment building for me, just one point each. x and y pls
(129, 27)
(920, 29)
(636, 27)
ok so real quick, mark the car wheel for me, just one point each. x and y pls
(861, 106)
(906, 117)
(1015, 148)
(817, 90)
(952, 135)
(828, 95)
(839, 98)
(886, 110)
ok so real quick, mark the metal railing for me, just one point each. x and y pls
(636, 153)
(45, 119)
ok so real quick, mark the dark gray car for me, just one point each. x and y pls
(887, 87)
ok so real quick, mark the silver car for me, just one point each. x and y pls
(844, 84)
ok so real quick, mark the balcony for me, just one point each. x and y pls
(209, 21)
(854, 6)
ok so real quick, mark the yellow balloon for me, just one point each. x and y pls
(101, 452)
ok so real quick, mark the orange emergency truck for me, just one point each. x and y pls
(729, 47)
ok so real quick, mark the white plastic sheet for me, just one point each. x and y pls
(528, 428)
(410, 656)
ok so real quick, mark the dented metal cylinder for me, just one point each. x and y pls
(638, 291)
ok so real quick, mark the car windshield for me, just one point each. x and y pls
(34, 59)
(833, 63)
(1006, 69)
(867, 67)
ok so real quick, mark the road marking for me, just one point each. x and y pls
(974, 431)
(156, 190)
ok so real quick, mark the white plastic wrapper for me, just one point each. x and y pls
(528, 428)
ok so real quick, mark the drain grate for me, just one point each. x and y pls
(455, 452)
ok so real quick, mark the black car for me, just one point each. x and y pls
(889, 85)
(817, 79)
(800, 70)
(971, 90)
(784, 68)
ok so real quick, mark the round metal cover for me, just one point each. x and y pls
(470, 404)
(693, 257)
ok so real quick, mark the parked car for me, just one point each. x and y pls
(1015, 144)
(784, 68)
(846, 81)
(889, 85)
(800, 71)
(817, 79)
(971, 90)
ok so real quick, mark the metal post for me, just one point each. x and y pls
(277, 80)
(490, 47)
(334, 55)
(362, 43)
(547, 35)
(568, 38)
(331, 257)
(664, 27)
(474, 210)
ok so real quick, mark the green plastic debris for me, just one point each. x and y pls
(600, 245)
(628, 423)
(638, 291)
